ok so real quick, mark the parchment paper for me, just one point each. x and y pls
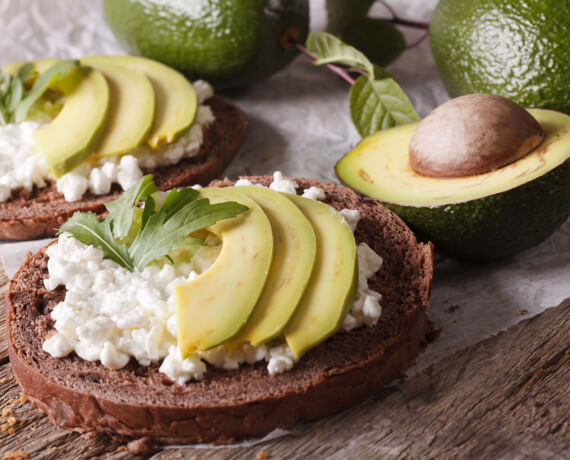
(299, 124)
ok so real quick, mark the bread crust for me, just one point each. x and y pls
(147, 409)
(37, 214)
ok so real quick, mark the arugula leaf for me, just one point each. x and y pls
(164, 233)
(87, 228)
(52, 75)
(379, 104)
(122, 210)
(326, 49)
(134, 237)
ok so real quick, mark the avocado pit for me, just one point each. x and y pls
(472, 135)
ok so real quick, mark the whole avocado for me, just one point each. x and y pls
(230, 43)
(519, 49)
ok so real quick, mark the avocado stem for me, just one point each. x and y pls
(403, 22)
(341, 72)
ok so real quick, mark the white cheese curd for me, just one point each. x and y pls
(22, 165)
(314, 193)
(283, 184)
(351, 217)
(112, 315)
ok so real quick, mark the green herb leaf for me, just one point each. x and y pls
(153, 233)
(15, 94)
(87, 228)
(327, 49)
(164, 232)
(122, 210)
(379, 104)
(52, 75)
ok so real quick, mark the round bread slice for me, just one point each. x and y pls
(140, 404)
(36, 214)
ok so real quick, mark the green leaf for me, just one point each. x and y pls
(87, 228)
(177, 199)
(15, 94)
(327, 49)
(343, 12)
(122, 210)
(166, 231)
(153, 233)
(55, 73)
(379, 104)
(379, 40)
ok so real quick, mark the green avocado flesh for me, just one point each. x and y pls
(486, 216)
(175, 99)
(69, 139)
(131, 112)
(295, 248)
(230, 43)
(332, 288)
(518, 49)
(213, 307)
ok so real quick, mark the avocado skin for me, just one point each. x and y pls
(230, 43)
(498, 225)
(519, 49)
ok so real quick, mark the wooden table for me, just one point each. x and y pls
(506, 397)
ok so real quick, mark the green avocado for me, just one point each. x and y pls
(213, 307)
(70, 138)
(519, 49)
(332, 287)
(131, 112)
(175, 99)
(229, 43)
(295, 248)
(480, 217)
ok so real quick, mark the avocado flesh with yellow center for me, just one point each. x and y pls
(295, 248)
(213, 307)
(486, 216)
(332, 287)
(175, 99)
(131, 112)
(70, 138)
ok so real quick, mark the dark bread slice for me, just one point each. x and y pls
(140, 404)
(36, 214)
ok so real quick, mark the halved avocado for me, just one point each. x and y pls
(132, 107)
(481, 217)
(295, 248)
(332, 287)
(175, 99)
(70, 138)
(213, 307)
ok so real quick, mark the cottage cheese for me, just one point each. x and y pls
(22, 165)
(112, 315)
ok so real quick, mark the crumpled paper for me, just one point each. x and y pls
(299, 123)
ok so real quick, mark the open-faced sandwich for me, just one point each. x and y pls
(73, 134)
(217, 314)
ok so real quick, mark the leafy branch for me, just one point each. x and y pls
(376, 101)
(133, 237)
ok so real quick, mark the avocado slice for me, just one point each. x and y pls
(484, 216)
(175, 99)
(213, 307)
(132, 107)
(70, 138)
(332, 287)
(295, 248)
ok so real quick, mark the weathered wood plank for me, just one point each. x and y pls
(506, 397)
